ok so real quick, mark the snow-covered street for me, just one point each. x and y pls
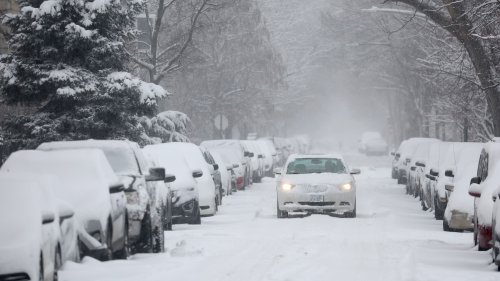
(391, 239)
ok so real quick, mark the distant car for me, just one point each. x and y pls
(483, 188)
(372, 143)
(437, 154)
(225, 173)
(459, 212)
(406, 150)
(271, 157)
(233, 149)
(316, 184)
(207, 190)
(185, 197)
(37, 233)
(214, 169)
(131, 166)
(90, 186)
(257, 159)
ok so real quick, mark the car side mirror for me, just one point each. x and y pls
(156, 174)
(355, 171)
(260, 156)
(116, 188)
(169, 178)
(216, 167)
(277, 171)
(434, 173)
(235, 166)
(392, 153)
(476, 180)
(197, 174)
(413, 168)
(420, 164)
(449, 187)
(48, 217)
(449, 173)
(475, 190)
(65, 212)
(251, 154)
(246, 154)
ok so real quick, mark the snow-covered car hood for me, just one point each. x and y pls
(316, 178)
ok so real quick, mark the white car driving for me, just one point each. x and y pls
(316, 184)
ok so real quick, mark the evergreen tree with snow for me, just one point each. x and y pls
(68, 63)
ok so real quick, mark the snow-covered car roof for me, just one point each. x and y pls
(410, 145)
(120, 153)
(85, 176)
(174, 162)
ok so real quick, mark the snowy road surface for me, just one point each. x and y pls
(391, 239)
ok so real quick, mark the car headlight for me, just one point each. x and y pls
(346, 186)
(286, 186)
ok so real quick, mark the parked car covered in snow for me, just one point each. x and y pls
(233, 149)
(164, 200)
(482, 189)
(37, 234)
(316, 184)
(207, 190)
(185, 197)
(131, 166)
(459, 212)
(372, 143)
(214, 169)
(437, 154)
(417, 169)
(90, 186)
(271, 157)
(257, 157)
(406, 150)
(225, 172)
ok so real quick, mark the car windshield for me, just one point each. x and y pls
(316, 165)
(122, 161)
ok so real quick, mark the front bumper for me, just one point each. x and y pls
(184, 211)
(333, 202)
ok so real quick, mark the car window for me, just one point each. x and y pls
(122, 161)
(316, 165)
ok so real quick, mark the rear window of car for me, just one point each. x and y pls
(316, 165)
(122, 161)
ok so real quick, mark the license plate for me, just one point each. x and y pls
(317, 198)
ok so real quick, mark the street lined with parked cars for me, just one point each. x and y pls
(109, 199)
(459, 182)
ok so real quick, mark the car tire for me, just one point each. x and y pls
(351, 214)
(197, 218)
(280, 214)
(446, 225)
(108, 252)
(124, 252)
(438, 213)
(57, 264)
(41, 270)
(400, 181)
(145, 242)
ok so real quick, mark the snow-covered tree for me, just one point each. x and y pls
(68, 62)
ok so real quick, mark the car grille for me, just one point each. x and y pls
(317, 203)
(308, 188)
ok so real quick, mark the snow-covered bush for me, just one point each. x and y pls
(69, 61)
(167, 126)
